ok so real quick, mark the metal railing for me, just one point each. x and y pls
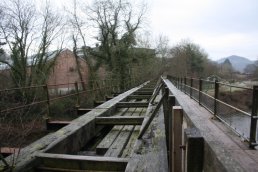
(235, 106)
(23, 110)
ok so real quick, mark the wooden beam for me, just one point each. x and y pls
(70, 138)
(156, 92)
(138, 97)
(177, 119)
(128, 150)
(117, 147)
(143, 93)
(132, 104)
(123, 139)
(194, 150)
(119, 120)
(149, 119)
(146, 89)
(150, 152)
(75, 162)
(50, 169)
(171, 102)
(105, 143)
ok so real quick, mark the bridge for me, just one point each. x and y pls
(157, 126)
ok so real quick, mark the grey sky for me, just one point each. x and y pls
(221, 27)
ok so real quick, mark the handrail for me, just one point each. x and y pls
(235, 86)
(182, 84)
(38, 86)
(48, 100)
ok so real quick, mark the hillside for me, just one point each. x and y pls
(238, 63)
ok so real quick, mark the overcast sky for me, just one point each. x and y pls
(221, 27)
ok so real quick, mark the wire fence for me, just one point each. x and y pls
(23, 111)
(236, 106)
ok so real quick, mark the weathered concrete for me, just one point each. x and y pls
(70, 138)
(221, 150)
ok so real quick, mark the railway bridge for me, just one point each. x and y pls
(155, 127)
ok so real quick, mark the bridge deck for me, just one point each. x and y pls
(231, 153)
(104, 139)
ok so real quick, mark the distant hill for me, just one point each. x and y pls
(238, 63)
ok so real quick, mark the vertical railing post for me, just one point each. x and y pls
(48, 101)
(182, 81)
(166, 107)
(179, 83)
(194, 153)
(200, 91)
(78, 95)
(254, 118)
(185, 84)
(177, 118)
(112, 86)
(216, 96)
(171, 103)
(191, 87)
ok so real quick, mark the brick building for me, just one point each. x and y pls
(64, 71)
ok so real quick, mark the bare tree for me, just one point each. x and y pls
(188, 59)
(117, 24)
(29, 35)
(51, 28)
(78, 25)
(17, 26)
(24, 31)
(162, 51)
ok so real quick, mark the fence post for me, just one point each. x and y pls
(191, 87)
(182, 81)
(200, 90)
(166, 107)
(171, 103)
(48, 102)
(254, 118)
(194, 143)
(178, 83)
(185, 85)
(216, 96)
(77, 93)
(177, 118)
